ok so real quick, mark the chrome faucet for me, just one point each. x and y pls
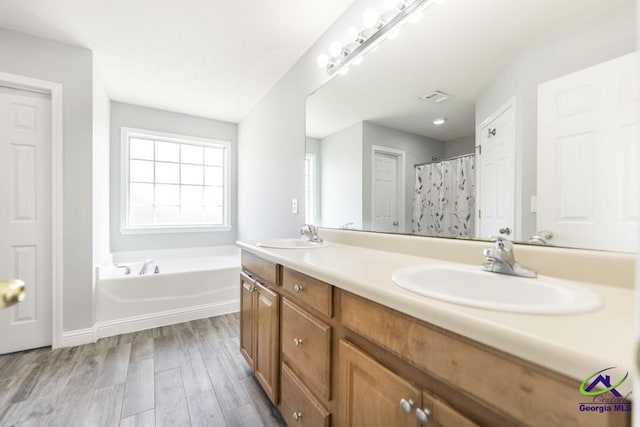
(542, 237)
(146, 265)
(311, 232)
(502, 260)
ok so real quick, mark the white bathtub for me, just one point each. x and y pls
(192, 283)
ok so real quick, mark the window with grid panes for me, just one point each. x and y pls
(174, 181)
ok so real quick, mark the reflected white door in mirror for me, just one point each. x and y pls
(387, 195)
(496, 175)
(587, 156)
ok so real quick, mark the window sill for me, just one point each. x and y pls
(174, 230)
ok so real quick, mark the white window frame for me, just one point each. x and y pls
(125, 134)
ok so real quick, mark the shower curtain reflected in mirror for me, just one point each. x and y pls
(444, 198)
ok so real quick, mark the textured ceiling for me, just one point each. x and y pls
(214, 58)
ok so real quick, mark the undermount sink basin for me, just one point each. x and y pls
(499, 292)
(302, 243)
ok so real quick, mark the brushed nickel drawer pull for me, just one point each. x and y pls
(406, 405)
(297, 416)
(298, 288)
(297, 342)
(423, 416)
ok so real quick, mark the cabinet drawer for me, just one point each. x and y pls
(263, 270)
(306, 347)
(299, 407)
(309, 291)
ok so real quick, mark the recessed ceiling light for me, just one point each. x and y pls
(439, 121)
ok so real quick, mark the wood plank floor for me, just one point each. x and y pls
(189, 374)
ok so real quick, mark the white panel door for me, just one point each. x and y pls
(25, 216)
(385, 192)
(496, 175)
(587, 156)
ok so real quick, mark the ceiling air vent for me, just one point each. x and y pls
(435, 96)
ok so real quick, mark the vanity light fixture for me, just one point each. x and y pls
(439, 121)
(378, 27)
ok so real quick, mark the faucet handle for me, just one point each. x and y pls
(308, 228)
(502, 244)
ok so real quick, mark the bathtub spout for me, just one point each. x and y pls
(127, 270)
(146, 265)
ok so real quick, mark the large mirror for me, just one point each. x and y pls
(486, 118)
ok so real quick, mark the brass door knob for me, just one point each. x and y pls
(11, 292)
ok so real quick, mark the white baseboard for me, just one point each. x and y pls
(164, 318)
(147, 321)
(78, 337)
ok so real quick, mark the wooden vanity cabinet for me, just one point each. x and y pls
(327, 357)
(260, 333)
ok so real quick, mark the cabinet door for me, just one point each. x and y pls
(247, 321)
(267, 350)
(371, 395)
(436, 413)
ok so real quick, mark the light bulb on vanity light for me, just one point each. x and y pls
(352, 35)
(323, 60)
(335, 49)
(344, 71)
(370, 18)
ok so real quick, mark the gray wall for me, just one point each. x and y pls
(100, 154)
(72, 67)
(419, 149)
(341, 178)
(127, 115)
(271, 143)
(460, 146)
(577, 47)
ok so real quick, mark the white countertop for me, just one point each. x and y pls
(576, 345)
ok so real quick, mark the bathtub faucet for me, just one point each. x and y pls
(146, 265)
(127, 270)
